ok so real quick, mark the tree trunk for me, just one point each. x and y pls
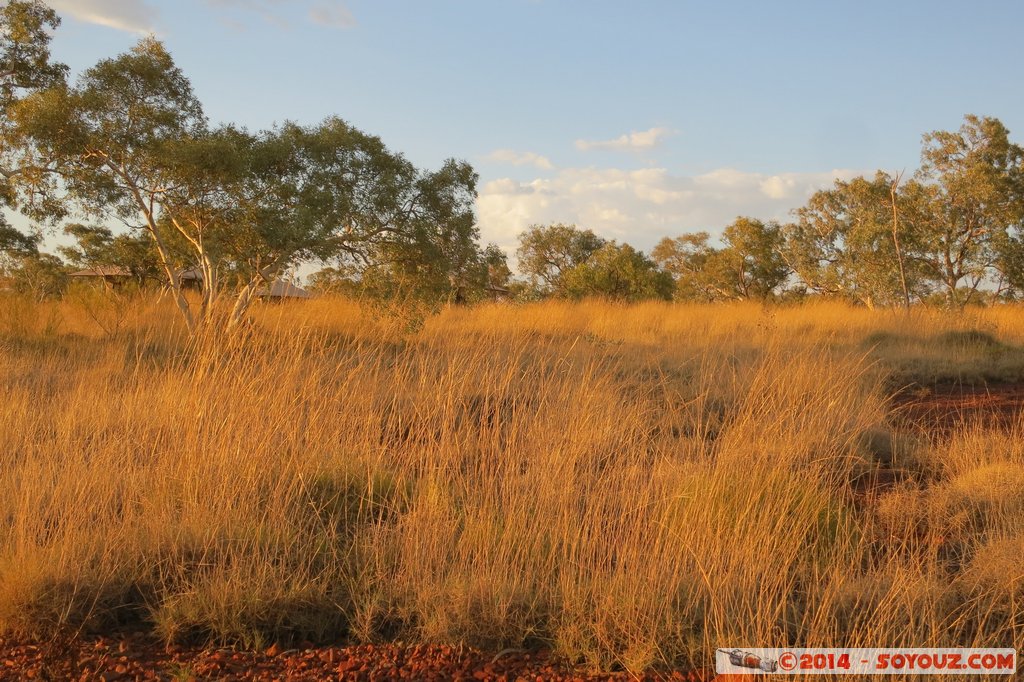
(147, 209)
(248, 293)
(242, 303)
(896, 242)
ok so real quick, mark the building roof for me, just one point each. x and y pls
(280, 289)
(103, 271)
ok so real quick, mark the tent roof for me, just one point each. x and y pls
(281, 289)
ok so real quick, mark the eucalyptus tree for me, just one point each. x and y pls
(251, 206)
(861, 239)
(748, 265)
(97, 148)
(25, 66)
(751, 265)
(428, 250)
(688, 259)
(547, 252)
(619, 272)
(25, 62)
(130, 141)
(976, 175)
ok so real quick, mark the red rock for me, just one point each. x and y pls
(348, 664)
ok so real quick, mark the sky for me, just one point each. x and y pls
(637, 119)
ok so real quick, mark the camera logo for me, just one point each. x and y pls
(745, 659)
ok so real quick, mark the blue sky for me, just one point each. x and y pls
(636, 119)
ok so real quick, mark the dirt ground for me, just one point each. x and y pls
(134, 657)
(943, 407)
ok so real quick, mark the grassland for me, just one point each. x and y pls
(632, 486)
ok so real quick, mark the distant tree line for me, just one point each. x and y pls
(128, 142)
(952, 233)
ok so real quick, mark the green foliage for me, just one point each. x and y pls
(98, 247)
(844, 243)
(752, 257)
(96, 148)
(25, 48)
(40, 275)
(25, 67)
(435, 255)
(618, 272)
(105, 135)
(547, 252)
(413, 276)
(686, 258)
(748, 266)
(953, 229)
(977, 176)
(26, 270)
(16, 242)
(499, 275)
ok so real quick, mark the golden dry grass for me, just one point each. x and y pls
(634, 486)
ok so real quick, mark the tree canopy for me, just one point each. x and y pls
(547, 252)
(977, 180)
(620, 272)
(749, 265)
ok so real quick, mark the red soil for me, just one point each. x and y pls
(135, 657)
(945, 407)
(938, 410)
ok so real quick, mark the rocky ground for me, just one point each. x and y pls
(136, 657)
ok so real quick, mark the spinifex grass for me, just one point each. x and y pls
(634, 486)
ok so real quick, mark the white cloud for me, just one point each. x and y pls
(634, 141)
(520, 158)
(331, 13)
(642, 206)
(335, 16)
(134, 16)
